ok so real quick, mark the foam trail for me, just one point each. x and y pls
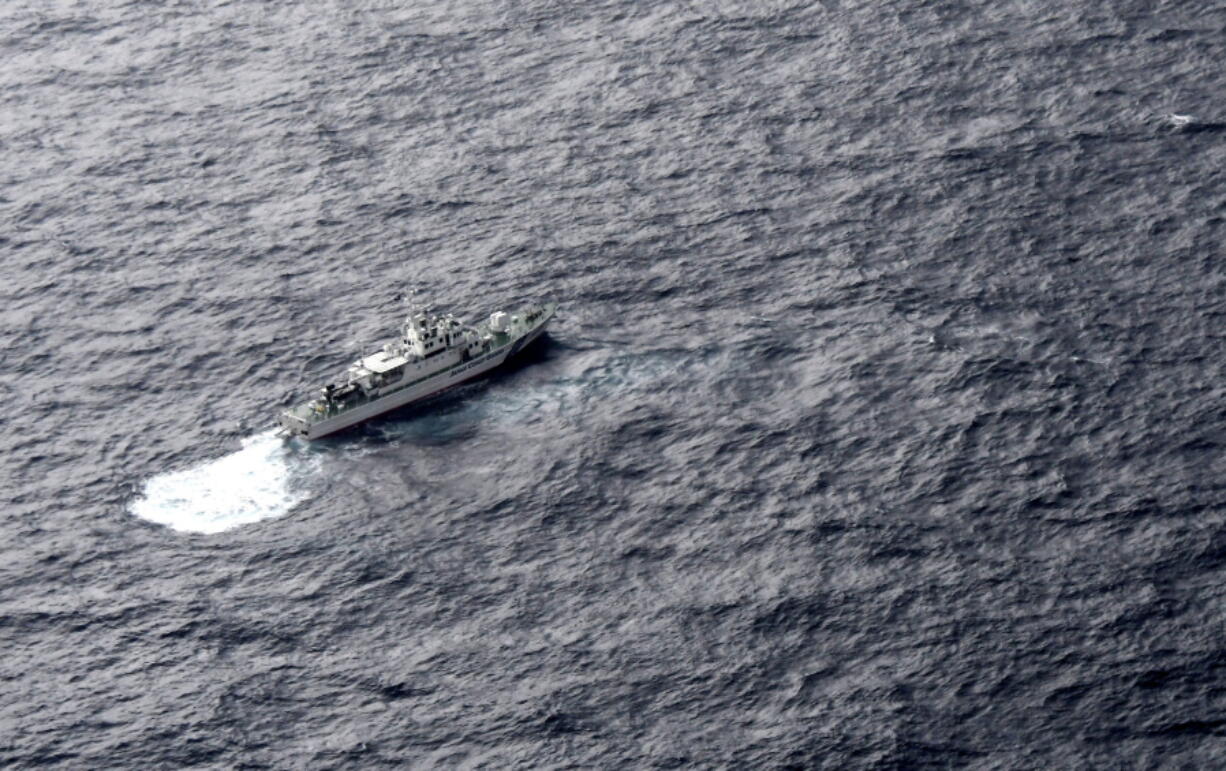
(257, 482)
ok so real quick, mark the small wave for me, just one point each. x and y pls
(1176, 120)
(261, 481)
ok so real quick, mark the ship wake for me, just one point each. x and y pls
(263, 480)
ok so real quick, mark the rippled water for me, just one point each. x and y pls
(881, 424)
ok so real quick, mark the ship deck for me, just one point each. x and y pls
(311, 413)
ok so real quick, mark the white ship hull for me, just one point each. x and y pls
(313, 427)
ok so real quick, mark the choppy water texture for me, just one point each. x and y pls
(882, 423)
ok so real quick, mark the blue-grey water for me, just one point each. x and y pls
(882, 424)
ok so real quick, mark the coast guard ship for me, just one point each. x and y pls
(433, 353)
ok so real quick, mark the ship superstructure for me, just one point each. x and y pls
(432, 354)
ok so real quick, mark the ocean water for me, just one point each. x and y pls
(882, 423)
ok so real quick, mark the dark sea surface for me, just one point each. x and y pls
(882, 423)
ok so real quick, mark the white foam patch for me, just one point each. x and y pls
(264, 479)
